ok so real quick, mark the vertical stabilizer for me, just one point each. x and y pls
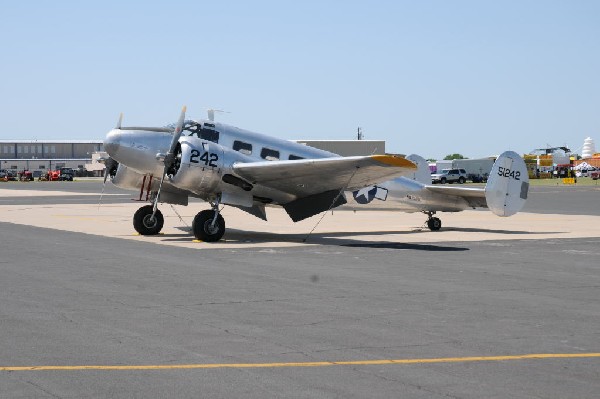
(508, 185)
(422, 174)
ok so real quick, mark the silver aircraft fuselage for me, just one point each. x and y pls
(138, 150)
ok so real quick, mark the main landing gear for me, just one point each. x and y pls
(433, 223)
(208, 225)
(146, 222)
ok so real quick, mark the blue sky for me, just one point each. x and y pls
(429, 77)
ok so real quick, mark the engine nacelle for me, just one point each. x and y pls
(199, 167)
(205, 169)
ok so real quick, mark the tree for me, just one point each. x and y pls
(450, 157)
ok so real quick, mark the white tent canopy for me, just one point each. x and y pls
(583, 165)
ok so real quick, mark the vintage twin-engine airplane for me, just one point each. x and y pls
(224, 165)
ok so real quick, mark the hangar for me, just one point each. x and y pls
(82, 155)
(42, 155)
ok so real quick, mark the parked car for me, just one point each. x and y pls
(449, 176)
(7, 174)
(25, 175)
(66, 174)
(477, 178)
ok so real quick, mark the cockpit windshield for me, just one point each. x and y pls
(204, 131)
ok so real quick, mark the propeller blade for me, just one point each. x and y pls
(106, 172)
(109, 171)
(170, 157)
(178, 130)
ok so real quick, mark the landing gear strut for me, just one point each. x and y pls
(209, 225)
(433, 223)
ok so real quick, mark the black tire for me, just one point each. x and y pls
(434, 224)
(461, 180)
(443, 180)
(143, 223)
(201, 226)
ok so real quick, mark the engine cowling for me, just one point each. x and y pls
(198, 166)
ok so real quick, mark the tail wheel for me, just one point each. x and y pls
(145, 224)
(205, 230)
(434, 224)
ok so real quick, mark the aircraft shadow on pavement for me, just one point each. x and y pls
(480, 230)
(334, 239)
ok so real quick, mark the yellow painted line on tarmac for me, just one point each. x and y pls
(538, 356)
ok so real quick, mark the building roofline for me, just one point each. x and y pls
(7, 141)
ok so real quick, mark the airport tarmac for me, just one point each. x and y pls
(374, 305)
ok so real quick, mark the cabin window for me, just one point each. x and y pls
(294, 157)
(269, 154)
(242, 147)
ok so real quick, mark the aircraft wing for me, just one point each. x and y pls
(474, 196)
(314, 176)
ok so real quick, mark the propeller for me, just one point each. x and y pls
(110, 170)
(170, 157)
(110, 165)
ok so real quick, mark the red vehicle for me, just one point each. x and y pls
(53, 175)
(595, 175)
(25, 175)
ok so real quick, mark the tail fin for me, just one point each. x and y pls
(508, 185)
(422, 174)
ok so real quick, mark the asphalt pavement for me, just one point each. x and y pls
(91, 316)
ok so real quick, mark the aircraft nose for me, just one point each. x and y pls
(112, 142)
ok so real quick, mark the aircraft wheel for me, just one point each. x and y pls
(434, 224)
(144, 224)
(203, 229)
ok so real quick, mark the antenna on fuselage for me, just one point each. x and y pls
(211, 113)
